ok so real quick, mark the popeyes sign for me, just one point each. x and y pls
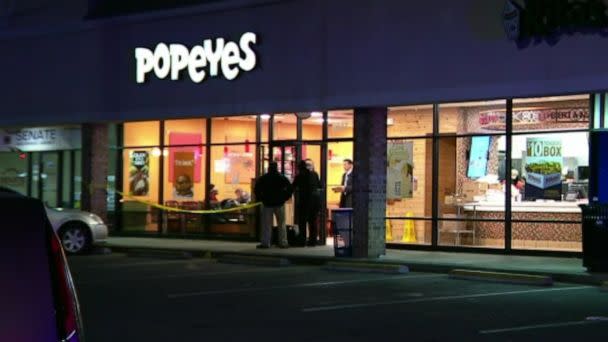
(213, 58)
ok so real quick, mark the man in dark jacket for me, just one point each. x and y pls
(273, 190)
(308, 201)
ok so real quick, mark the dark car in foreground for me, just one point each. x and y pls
(39, 301)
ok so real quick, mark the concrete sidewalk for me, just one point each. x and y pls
(561, 269)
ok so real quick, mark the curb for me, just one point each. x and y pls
(254, 260)
(159, 253)
(365, 267)
(583, 279)
(502, 277)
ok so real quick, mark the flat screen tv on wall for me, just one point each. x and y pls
(478, 157)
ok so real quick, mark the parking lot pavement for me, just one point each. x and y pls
(153, 299)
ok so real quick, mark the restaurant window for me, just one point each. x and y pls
(233, 174)
(141, 172)
(312, 127)
(340, 124)
(233, 129)
(284, 126)
(337, 152)
(184, 174)
(470, 184)
(550, 171)
(140, 184)
(409, 174)
(409, 184)
(410, 121)
(141, 133)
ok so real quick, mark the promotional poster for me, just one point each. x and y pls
(139, 173)
(543, 168)
(183, 174)
(399, 180)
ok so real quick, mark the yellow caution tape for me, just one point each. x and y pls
(215, 211)
(178, 210)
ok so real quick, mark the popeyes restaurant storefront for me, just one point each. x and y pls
(467, 135)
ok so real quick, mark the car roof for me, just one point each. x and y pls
(27, 310)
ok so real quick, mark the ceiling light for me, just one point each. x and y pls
(265, 116)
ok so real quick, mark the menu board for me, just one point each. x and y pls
(543, 168)
(478, 159)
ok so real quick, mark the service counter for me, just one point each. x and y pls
(554, 224)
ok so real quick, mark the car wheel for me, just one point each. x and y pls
(75, 238)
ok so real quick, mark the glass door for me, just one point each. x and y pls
(288, 154)
(49, 169)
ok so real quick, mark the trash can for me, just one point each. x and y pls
(595, 237)
(342, 226)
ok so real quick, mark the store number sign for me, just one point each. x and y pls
(213, 58)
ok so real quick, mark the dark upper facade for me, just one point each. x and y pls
(310, 55)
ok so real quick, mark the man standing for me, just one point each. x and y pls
(346, 189)
(273, 190)
(308, 201)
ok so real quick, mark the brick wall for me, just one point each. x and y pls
(369, 182)
(94, 168)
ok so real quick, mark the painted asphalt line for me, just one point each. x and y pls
(317, 284)
(436, 299)
(143, 263)
(188, 275)
(543, 326)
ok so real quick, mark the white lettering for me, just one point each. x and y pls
(198, 60)
(249, 62)
(214, 56)
(230, 57)
(144, 63)
(201, 60)
(179, 59)
(162, 60)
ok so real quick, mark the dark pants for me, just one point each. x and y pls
(307, 214)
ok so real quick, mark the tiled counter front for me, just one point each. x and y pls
(531, 235)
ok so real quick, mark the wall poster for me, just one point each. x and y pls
(240, 168)
(400, 169)
(139, 173)
(183, 174)
(543, 167)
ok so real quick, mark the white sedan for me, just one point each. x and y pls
(78, 230)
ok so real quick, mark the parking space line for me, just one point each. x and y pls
(538, 326)
(316, 284)
(441, 298)
(135, 264)
(201, 274)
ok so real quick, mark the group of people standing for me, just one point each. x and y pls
(273, 190)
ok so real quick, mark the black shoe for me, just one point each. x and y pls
(283, 246)
(261, 246)
(311, 243)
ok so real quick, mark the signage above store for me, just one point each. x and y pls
(212, 58)
(497, 119)
(549, 19)
(34, 139)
